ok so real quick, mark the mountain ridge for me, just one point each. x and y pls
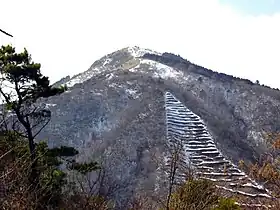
(115, 112)
(176, 59)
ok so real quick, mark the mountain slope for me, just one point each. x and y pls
(116, 111)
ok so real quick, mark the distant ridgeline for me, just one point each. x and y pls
(177, 61)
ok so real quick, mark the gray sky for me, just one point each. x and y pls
(66, 37)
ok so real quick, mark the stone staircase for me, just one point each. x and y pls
(198, 149)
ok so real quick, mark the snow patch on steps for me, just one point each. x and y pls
(185, 127)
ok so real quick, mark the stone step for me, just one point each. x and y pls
(186, 130)
(252, 195)
(209, 149)
(201, 145)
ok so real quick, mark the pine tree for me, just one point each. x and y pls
(21, 85)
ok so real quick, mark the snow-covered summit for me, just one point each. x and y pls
(136, 51)
(107, 62)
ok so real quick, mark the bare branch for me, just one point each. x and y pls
(42, 128)
(6, 153)
(4, 32)
(5, 96)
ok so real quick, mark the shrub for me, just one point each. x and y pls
(194, 195)
(227, 204)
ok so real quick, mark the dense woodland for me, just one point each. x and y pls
(34, 176)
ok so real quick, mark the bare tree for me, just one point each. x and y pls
(176, 164)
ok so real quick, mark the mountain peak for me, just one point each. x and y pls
(137, 51)
(108, 62)
(116, 110)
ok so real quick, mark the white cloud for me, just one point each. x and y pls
(68, 36)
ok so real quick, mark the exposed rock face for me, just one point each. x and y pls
(116, 111)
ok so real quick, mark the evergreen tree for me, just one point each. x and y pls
(21, 85)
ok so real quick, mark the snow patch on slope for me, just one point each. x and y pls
(159, 70)
(139, 52)
(135, 69)
(107, 61)
(132, 93)
(163, 71)
(109, 76)
(257, 136)
(50, 105)
(83, 77)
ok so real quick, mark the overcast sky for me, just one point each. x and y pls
(237, 37)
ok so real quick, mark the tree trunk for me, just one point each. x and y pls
(31, 144)
(33, 177)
